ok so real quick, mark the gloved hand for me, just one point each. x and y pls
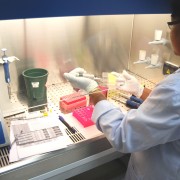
(84, 83)
(77, 71)
(128, 83)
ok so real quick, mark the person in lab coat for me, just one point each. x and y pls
(150, 133)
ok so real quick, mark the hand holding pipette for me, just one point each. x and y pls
(80, 82)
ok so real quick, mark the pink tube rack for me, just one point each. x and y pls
(83, 115)
(71, 102)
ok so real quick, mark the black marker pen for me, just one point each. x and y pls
(67, 125)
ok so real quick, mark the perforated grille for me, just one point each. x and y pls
(4, 156)
(76, 137)
(143, 81)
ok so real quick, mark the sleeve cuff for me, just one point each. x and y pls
(101, 108)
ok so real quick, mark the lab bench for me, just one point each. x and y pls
(63, 163)
(89, 149)
(89, 146)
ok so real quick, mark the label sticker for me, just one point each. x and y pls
(35, 84)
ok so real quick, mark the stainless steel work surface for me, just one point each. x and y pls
(90, 148)
(61, 162)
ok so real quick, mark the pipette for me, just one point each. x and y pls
(90, 76)
(132, 98)
(6, 71)
(129, 103)
(5, 60)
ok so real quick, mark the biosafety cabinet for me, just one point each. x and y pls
(100, 36)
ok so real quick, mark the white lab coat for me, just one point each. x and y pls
(150, 133)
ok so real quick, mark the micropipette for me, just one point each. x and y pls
(132, 98)
(5, 60)
(6, 71)
(90, 76)
(129, 103)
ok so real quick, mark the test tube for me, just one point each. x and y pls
(142, 55)
(111, 81)
(154, 59)
(157, 35)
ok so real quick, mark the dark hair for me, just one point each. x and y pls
(175, 7)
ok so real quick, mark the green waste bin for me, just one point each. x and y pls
(35, 81)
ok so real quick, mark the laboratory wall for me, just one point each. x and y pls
(96, 43)
(143, 34)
